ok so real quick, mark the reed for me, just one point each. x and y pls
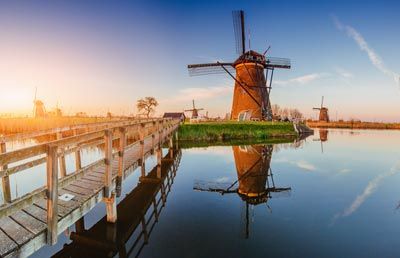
(24, 125)
(355, 125)
(235, 130)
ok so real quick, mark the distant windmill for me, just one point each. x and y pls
(251, 96)
(38, 107)
(323, 112)
(194, 110)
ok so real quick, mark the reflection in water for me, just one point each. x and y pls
(255, 184)
(323, 137)
(369, 190)
(138, 213)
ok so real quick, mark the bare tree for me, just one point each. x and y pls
(295, 114)
(276, 109)
(147, 105)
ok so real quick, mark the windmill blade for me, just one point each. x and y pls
(238, 27)
(322, 102)
(279, 192)
(209, 68)
(220, 187)
(277, 62)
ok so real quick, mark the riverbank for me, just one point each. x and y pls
(354, 125)
(236, 131)
(28, 124)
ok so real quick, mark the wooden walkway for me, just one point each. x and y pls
(36, 219)
(139, 212)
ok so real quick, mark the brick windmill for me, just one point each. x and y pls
(251, 96)
(194, 110)
(323, 112)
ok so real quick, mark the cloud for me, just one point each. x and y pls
(371, 187)
(344, 170)
(187, 94)
(343, 73)
(303, 79)
(305, 165)
(375, 59)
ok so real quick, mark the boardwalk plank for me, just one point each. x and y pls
(37, 213)
(15, 231)
(7, 245)
(32, 224)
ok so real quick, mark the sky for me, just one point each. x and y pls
(99, 56)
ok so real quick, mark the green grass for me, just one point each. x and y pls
(235, 130)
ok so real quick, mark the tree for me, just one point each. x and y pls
(147, 105)
(295, 114)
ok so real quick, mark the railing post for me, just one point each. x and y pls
(142, 159)
(5, 180)
(61, 159)
(109, 196)
(52, 194)
(78, 161)
(121, 165)
(159, 158)
(153, 135)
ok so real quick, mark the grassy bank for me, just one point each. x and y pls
(236, 130)
(24, 125)
(354, 125)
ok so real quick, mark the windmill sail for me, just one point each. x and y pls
(277, 62)
(238, 26)
(209, 68)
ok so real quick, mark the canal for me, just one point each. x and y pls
(333, 194)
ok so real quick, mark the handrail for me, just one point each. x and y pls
(31, 151)
(23, 136)
(51, 148)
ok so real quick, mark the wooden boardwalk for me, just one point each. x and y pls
(36, 219)
(139, 212)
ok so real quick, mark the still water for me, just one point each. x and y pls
(335, 194)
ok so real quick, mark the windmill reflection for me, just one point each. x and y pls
(138, 213)
(323, 137)
(255, 184)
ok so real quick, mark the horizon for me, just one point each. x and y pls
(104, 57)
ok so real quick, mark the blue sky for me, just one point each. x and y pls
(104, 55)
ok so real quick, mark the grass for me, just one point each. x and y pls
(354, 125)
(235, 130)
(24, 125)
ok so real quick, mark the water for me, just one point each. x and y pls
(343, 201)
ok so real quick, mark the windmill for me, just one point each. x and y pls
(323, 112)
(251, 96)
(255, 184)
(38, 107)
(194, 110)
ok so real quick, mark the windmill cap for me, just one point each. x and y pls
(250, 56)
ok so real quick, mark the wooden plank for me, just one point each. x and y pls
(21, 167)
(79, 190)
(30, 223)
(37, 213)
(108, 162)
(7, 245)
(15, 231)
(52, 195)
(21, 154)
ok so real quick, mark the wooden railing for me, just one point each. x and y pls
(53, 153)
